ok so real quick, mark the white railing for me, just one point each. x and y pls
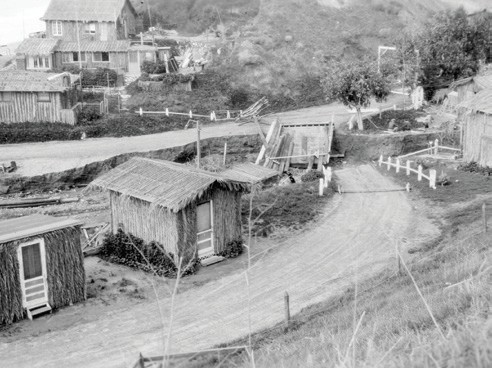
(229, 114)
(408, 168)
(433, 149)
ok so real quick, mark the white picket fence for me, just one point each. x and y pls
(226, 114)
(433, 149)
(431, 177)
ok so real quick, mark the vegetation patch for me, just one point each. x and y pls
(131, 251)
(290, 206)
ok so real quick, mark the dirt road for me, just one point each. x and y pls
(355, 238)
(47, 157)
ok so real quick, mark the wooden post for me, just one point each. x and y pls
(436, 146)
(320, 162)
(389, 163)
(198, 148)
(167, 111)
(321, 186)
(140, 112)
(381, 160)
(397, 165)
(419, 177)
(407, 187)
(408, 167)
(287, 311)
(310, 163)
(394, 107)
(141, 361)
(484, 217)
(225, 153)
(432, 178)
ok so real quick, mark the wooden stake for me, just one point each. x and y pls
(310, 163)
(287, 311)
(321, 186)
(225, 153)
(484, 217)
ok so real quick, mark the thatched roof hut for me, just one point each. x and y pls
(41, 266)
(189, 211)
(477, 128)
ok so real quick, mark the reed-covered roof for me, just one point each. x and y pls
(27, 226)
(37, 46)
(482, 102)
(31, 81)
(164, 183)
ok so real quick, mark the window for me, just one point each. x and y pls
(100, 56)
(75, 56)
(5, 96)
(40, 62)
(44, 97)
(56, 28)
(90, 28)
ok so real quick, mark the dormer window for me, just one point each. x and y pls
(90, 28)
(56, 28)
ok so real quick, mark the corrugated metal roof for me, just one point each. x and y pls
(482, 101)
(163, 183)
(85, 10)
(27, 226)
(29, 81)
(94, 46)
(37, 46)
(249, 172)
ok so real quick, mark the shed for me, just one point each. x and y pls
(468, 87)
(477, 128)
(41, 266)
(251, 173)
(189, 211)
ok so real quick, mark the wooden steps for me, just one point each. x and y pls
(211, 260)
(37, 311)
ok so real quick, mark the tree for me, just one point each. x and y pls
(354, 85)
(450, 46)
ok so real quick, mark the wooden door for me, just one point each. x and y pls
(32, 268)
(205, 229)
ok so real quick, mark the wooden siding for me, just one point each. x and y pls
(227, 218)
(25, 107)
(477, 139)
(70, 29)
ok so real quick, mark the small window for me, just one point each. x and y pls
(56, 28)
(66, 57)
(75, 56)
(41, 62)
(100, 56)
(44, 97)
(5, 96)
(90, 28)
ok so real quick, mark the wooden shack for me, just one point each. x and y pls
(189, 211)
(477, 128)
(466, 88)
(27, 96)
(41, 266)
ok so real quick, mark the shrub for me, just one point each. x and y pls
(239, 98)
(133, 252)
(99, 77)
(88, 115)
(151, 67)
(232, 249)
(476, 168)
(312, 175)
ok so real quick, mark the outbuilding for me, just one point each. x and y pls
(41, 266)
(477, 128)
(191, 212)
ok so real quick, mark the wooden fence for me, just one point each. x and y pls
(433, 149)
(431, 177)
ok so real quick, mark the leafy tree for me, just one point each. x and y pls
(450, 46)
(354, 85)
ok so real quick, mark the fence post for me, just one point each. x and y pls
(407, 187)
(225, 153)
(228, 114)
(328, 175)
(394, 107)
(484, 217)
(419, 177)
(397, 165)
(408, 167)
(436, 146)
(141, 112)
(432, 178)
(321, 186)
(167, 111)
(380, 160)
(389, 163)
(287, 311)
(191, 115)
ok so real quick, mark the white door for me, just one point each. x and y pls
(205, 229)
(134, 62)
(32, 267)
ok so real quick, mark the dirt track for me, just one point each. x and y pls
(355, 238)
(47, 157)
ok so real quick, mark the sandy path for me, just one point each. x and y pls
(355, 238)
(47, 157)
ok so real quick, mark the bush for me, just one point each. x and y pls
(239, 98)
(474, 167)
(232, 249)
(36, 132)
(312, 175)
(88, 115)
(151, 67)
(99, 77)
(133, 252)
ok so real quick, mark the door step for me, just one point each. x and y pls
(33, 312)
(211, 260)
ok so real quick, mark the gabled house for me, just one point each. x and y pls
(36, 54)
(29, 96)
(93, 20)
